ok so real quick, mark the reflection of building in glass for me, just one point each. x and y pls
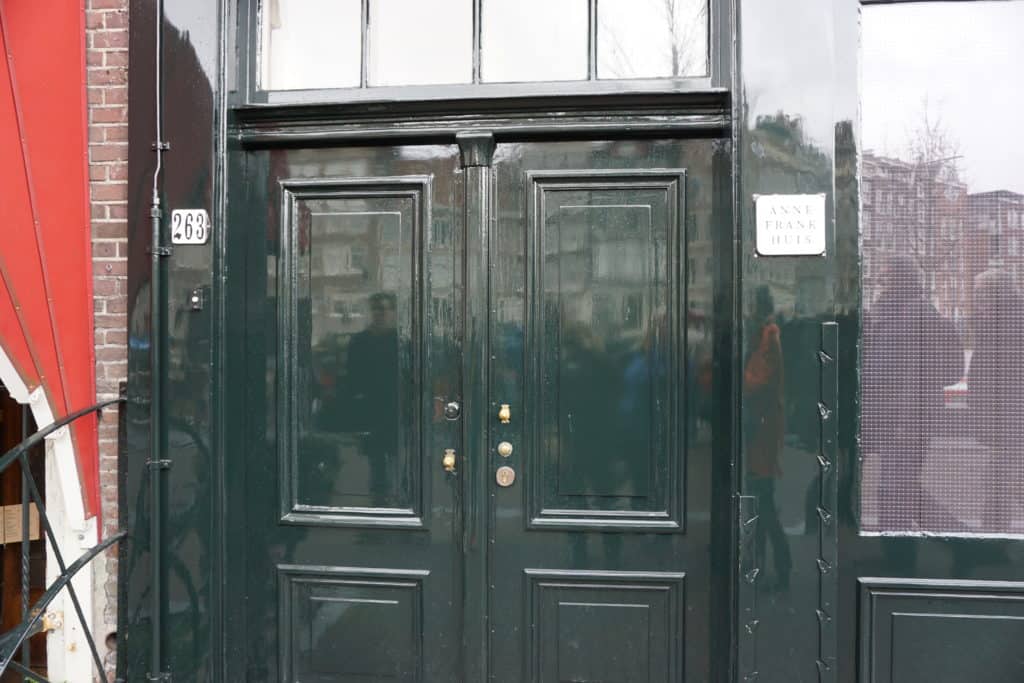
(965, 251)
(997, 233)
(918, 210)
(923, 210)
(789, 163)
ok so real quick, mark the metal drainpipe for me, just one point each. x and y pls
(26, 653)
(157, 463)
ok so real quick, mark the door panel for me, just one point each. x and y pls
(601, 548)
(352, 352)
(355, 300)
(601, 385)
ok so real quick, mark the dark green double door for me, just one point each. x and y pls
(397, 298)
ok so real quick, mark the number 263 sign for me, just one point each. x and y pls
(190, 226)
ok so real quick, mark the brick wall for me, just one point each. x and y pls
(107, 81)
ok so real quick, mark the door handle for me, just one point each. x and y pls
(448, 461)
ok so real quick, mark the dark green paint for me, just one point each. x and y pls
(919, 630)
(190, 427)
(477, 151)
(366, 517)
(603, 510)
(598, 332)
(793, 129)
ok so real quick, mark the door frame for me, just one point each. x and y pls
(476, 150)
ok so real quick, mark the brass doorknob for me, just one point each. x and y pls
(448, 461)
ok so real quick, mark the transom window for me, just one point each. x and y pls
(332, 44)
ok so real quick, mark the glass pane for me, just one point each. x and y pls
(415, 42)
(652, 38)
(534, 40)
(311, 44)
(943, 266)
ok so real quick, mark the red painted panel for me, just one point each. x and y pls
(49, 257)
(20, 261)
(12, 339)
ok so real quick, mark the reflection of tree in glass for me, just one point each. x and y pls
(931, 142)
(683, 42)
(917, 206)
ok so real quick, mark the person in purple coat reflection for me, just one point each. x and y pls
(911, 353)
(995, 384)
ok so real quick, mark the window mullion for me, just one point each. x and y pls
(477, 28)
(592, 41)
(365, 30)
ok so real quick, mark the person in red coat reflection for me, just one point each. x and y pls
(764, 428)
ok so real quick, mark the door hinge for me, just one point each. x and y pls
(159, 464)
(161, 251)
(746, 598)
(162, 677)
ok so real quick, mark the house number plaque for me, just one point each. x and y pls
(190, 226)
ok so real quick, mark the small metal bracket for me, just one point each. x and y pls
(195, 299)
(162, 677)
(159, 145)
(159, 464)
(53, 621)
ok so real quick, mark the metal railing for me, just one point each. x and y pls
(16, 640)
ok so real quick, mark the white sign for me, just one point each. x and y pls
(190, 226)
(790, 224)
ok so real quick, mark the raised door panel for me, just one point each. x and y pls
(351, 625)
(929, 631)
(604, 338)
(353, 291)
(605, 627)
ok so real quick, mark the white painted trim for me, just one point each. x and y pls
(10, 378)
(68, 656)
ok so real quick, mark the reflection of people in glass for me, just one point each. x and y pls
(589, 458)
(587, 385)
(644, 377)
(764, 428)
(372, 386)
(995, 383)
(910, 353)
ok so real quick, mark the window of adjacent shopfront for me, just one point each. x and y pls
(361, 45)
(942, 223)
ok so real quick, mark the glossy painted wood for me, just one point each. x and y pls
(602, 298)
(917, 630)
(196, 421)
(351, 528)
(586, 319)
